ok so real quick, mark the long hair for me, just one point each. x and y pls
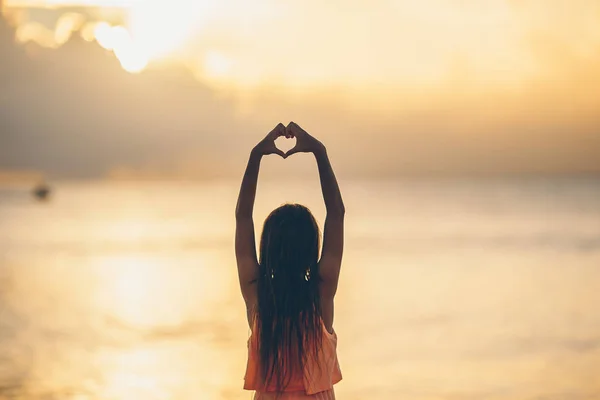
(289, 306)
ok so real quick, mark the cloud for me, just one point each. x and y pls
(73, 112)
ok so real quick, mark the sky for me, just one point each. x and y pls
(393, 87)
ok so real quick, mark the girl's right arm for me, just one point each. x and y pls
(333, 234)
(245, 246)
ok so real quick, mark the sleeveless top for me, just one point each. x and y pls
(318, 376)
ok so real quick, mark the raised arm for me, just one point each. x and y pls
(245, 246)
(333, 234)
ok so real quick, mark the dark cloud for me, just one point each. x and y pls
(74, 112)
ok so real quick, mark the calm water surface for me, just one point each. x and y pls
(450, 290)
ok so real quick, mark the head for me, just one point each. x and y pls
(289, 309)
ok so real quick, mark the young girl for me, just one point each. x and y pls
(288, 290)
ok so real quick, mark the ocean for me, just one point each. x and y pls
(450, 289)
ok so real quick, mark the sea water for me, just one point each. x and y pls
(450, 289)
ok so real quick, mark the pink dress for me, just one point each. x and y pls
(314, 383)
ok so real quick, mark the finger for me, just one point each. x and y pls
(294, 129)
(291, 152)
(278, 131)
(280, 153)
(281, 129)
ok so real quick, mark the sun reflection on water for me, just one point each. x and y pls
(135, 288)
(131, 375)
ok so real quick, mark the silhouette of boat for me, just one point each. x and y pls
(41, 192)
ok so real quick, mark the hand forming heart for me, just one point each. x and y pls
(305, 143)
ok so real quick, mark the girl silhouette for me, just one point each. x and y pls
(289, 291)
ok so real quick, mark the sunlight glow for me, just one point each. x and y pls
(216, 64)
(128, 52)
(104, 36)
(129, 375)
(132, 288)
(154, 31)
(88, 32)
(135, 281)
(66, 25)
(159, 29)
(118, 40)
(35, 32)
(413, 44)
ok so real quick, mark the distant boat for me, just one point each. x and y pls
(41, 192)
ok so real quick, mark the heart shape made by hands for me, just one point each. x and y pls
(284, 144)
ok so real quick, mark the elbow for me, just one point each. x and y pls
(342, 208)
(338, 212)
(241, 211)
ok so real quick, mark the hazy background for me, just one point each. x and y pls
(465, 136)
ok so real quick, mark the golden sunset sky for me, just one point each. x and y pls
(360, 43)
(447, 79)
